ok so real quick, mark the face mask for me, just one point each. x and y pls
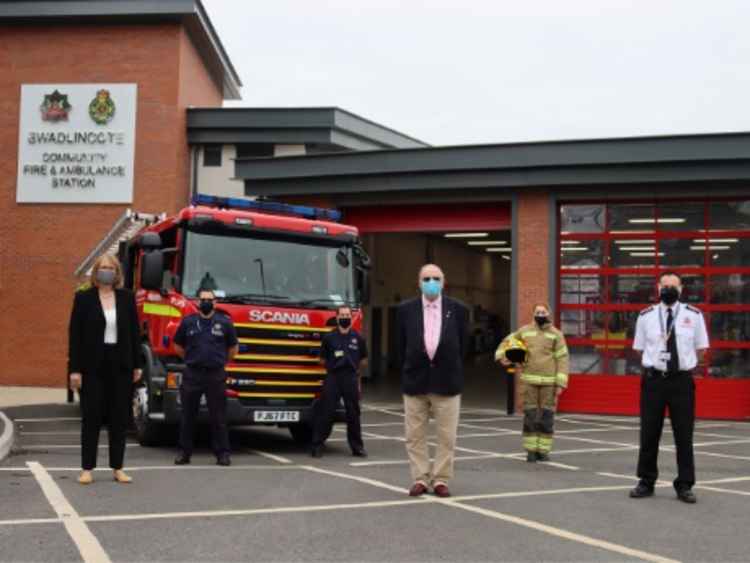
(669, 295)
(541, 320)
(431, 288)
(206, 306)
(345, 323)
(105, 277)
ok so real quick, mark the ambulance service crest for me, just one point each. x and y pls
(102, 108)
(55, 107)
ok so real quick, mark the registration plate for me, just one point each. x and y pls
(276, 416)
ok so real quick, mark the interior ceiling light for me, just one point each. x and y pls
(574, 248)
(486, 242)
(725, 240)
(570, 242)
(646, 254)
(637, 248)
(651, 221)
(712, 247)
(499, 249)
(466, 235)
(636, 241)
(505, 257)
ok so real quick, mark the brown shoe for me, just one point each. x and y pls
(417, 489)
(441, 490)
(122, 477)
(85, 478)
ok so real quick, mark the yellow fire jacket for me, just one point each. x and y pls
(547, 362)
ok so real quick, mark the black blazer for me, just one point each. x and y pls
(444, 375)
(86, 332)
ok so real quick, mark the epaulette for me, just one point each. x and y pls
(693, 309)
(646, 310)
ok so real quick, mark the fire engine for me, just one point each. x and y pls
(279, 271)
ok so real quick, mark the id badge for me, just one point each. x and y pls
(338, 354)
(665, 356)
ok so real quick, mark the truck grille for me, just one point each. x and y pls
(277, 364)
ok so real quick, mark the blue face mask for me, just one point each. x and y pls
(431, 288)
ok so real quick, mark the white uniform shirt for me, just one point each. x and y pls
(651, 332)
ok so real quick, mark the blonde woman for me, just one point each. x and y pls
(104, 360)
(545, 376)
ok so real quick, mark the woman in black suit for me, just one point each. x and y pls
(104, 360)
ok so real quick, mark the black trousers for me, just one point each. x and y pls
(105, 399)
(677, 392)
(212, 384)
(336, 386)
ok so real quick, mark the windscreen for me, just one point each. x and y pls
(283, 272)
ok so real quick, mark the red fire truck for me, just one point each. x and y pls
(279, 270)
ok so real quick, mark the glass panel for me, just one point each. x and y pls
(583, 254)
(730, 215)
(623, 361)
(582, 218)
(633, 253)
(585, 288)
(632, 288)
(630, 217)
(728, 251)
(681, 253)
(682, 216)
(583, 324)
(734, 288)
(586, 359)
(621, 327)
(734, 326)
(693, 288)
(730, 363)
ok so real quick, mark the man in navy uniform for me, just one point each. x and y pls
(344, 353)
(207, 341)
(672, 337)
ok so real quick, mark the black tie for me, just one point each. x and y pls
(673, 364)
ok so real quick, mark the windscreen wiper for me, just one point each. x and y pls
(308, 302)
(250, 297)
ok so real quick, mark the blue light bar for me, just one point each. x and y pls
(268, 207)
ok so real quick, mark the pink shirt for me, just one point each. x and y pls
(433, 319)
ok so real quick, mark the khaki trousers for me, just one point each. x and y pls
(445, 411)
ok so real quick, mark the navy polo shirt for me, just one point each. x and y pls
(343, 352)
(206, 341)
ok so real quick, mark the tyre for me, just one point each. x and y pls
(148, 432)
(301, 433)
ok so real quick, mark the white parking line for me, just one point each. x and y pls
(59, 419)
(721, 490)
(34, 447)
(86, 542)
(273, 457)
(70, 433)
(560, 533)
(27, 521)
(373, 482)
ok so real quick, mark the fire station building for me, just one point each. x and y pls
(94, 124)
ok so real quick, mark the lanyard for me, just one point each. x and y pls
(662, 326)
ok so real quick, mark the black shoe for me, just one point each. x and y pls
(542, 457)
(224, 460)
(182, 459)
(641, 491)
(359, 453)
(686, 495)
(531, 457)
(316, 451)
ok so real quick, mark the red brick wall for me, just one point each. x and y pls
(532, 260)
(41, 244)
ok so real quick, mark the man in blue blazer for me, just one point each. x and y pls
(432, 333)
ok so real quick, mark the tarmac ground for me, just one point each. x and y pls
(276, 503)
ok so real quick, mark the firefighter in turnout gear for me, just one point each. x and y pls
(544, 374)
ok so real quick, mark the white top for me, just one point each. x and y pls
(110, 326)
(651, 335)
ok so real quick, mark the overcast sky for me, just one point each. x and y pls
(467, 71)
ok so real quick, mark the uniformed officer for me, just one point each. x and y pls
(544, 376)
(206, 340)
(344, 354)
(673, 339)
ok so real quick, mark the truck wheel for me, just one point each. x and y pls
(147, 431)
(301, 433)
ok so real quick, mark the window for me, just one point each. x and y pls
(212, 155)
(610, 257)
